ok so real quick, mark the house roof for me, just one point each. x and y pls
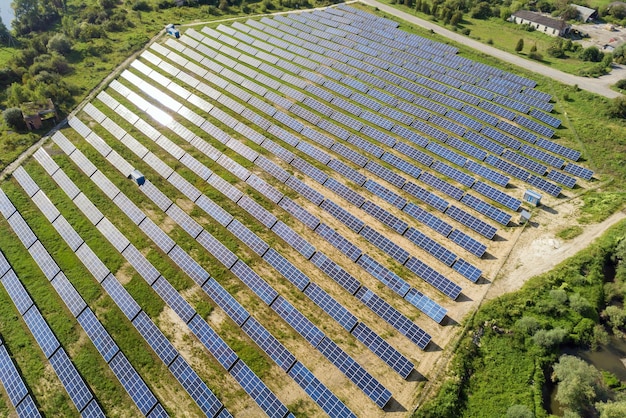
(559, 24)
(584, 12)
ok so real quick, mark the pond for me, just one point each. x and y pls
(610, 357)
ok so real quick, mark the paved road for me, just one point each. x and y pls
(595, 85)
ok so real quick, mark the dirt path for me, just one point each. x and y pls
(599, 86)
(539, 250)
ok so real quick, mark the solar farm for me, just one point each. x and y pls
(340, 194)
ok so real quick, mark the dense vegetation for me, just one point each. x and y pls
(62, 49)
(514, 344)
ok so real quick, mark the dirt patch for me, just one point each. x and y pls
(125, 273)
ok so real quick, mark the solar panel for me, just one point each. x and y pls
(28, 409)
(431, 246)
(345, 192)
(41, 331)
(384, 350)
(365, 146)
(486, 209)
(212, 341)
(507, 167)
(68, 294)
(428, 219)
(344, 216)
(251, 383)
(543, 156)
(387, 277)
(225, 301)
(132, 382)
(254, 282)
(441, 185)
(578, 171)
(298, 321)
(558, 149)
(386, 174)
(467, 270)
(293, 239)
(47, 265)
(385, 217)
(471, 222)
(287, 269)
(414, 153)
(561, 178)
(339, 275)
(468, 243)
(453, 173)
(390, 315)
(487, 173)
(353, 370)
(347, 172)
(17, 292)
(269, 344)
(525, 162)
(497, 196)
(385, 194)
(545, 185)
(434, 278)
(10, 378)
(71, 380)
(305, 190)
(310, 170)
(402, 165)
(385, 244)
(318, 392)
(257, 211)
(22, 230)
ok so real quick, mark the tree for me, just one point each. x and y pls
(520, 45)
(548, 339)
(533, 48)
(519, 411)
(592, 54)
(481, 11)
(579, 303)
(527, 324)
(579, 384)
(13, 118)
(570, 13)
(556, 49)
(457, 17)
(224, 5)
(612, 409)
(59, 44)
(616, 316)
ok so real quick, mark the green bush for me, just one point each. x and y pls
(592, 54)
(59, 44)
(13, 118)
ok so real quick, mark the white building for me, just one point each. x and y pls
(552, 27)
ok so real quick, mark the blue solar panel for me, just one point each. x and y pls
(335, 272)
(434, 278)
(286, 268)
(21, 299)
(428, 219)
(132, 382)
(410, 135)
(365, 146)
(344, 216)
(174, 300)
(441, 185)
(98, 335)
(497, 196)
(414, 153)
(333, 308)
(318, 392)
(545, 185)
(11, 379)
(564, 179)
(468, 243)
(71, 380)
(259, 212)
(155, 338)
(197, 389)
(345, 192)
(353, 370)
(386, 174)
(507, 167)
(453, 173)
(579, 171)
(41, 331)
(426, 305)
(390, 315)
(471, 222)
(298, 321)
(558, 149)
(387, 277)
(525, 162)
(385, 194)
(254, 282)
(216, 346)
(487, 173)
(293, 239)
(225, 301)
(385, 217)
(248, 237)
(402, 165)
(270, 345)
(467, 270)
(28, 409)
(431, 246)
(384, 350)
(543, 156)
(486, 209)
(485, 143)
(305, 190)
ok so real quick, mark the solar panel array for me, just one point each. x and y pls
(348, 96)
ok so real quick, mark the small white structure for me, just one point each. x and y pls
(532, 197)
(545, 24)
(137, 176)
(524, 217)
(585, 13)
(171, 30)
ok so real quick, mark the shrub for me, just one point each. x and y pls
(547, 339)
(621, 84)
(520, 45)
(466, 31)
(535, 56)
(592, 54)
(13, 118)
(59, 43)
(141, 6)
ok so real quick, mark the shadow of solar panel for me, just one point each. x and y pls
(434, 278)
(383, 274)
(545, 185)
(471, 222)
(132, 382)
(393, 317)
(383, 350)
(486, 209)
(298, 321)
(270, 345)
(561, 178)
(260, 393)
(365, 146)
(17, 292)
(341, 214)
(413, 153)
(254, 282)
(468, 243)
(431, 246)
(355, 372)
(335, 272)
(41, 331)
(71, 380)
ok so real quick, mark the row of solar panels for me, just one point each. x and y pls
(213, 342)
(320, 177)
(503, 88)
(448, 288)
(318, 199)
(80, 394)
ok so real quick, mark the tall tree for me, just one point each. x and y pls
(520, 45)
(580, 384)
